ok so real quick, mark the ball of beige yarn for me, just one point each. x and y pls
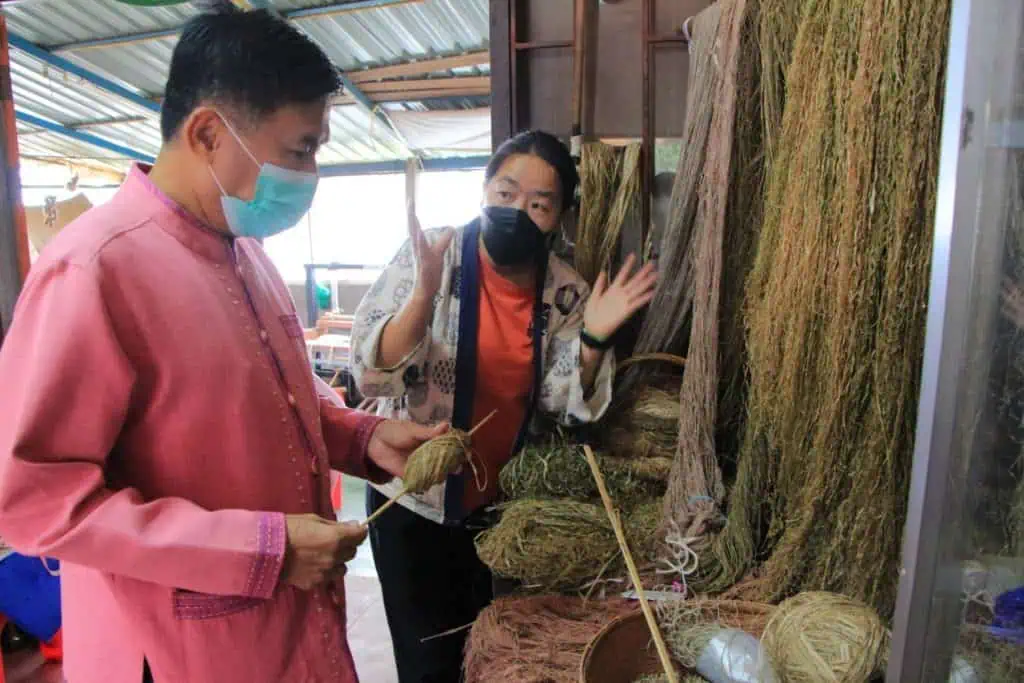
(819, 637)
(431, 463)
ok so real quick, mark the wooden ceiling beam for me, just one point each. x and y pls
(420, 67)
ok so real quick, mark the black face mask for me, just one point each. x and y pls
(511, 236)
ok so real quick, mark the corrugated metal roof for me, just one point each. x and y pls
(354, 41)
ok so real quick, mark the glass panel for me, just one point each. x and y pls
(965, 615)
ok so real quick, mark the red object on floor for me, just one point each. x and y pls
(335, 493)
(52, 651)
(3, 623)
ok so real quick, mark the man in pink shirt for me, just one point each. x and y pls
(162, 432)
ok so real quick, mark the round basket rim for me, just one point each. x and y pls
(739, 606)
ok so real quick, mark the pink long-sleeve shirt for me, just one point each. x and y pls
(158, 418)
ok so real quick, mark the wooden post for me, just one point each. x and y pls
(14, 258)
(502, 99)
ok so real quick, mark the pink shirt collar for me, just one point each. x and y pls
(175, 219)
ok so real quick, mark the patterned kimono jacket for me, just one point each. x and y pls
(436, 381)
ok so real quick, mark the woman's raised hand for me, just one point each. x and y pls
(612, 304)
(429, 257)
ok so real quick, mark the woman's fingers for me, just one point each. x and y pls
(635, 304)
(601, 284)
(643, 281)
(443, 242)
(623, 277)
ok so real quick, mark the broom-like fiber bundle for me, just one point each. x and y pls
(818, 637)
(562, 545)
(609, 199)
(668, 330)
(598, 179)
(536, 639)
(558, 469)
(836, 303)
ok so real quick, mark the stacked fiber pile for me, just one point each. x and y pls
(565, 545)
(836, 301)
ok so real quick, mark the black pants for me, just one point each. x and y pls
(147, 675)
(432, 582)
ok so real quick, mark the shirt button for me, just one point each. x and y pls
(264, 336)
(239, 271)
(291, 400)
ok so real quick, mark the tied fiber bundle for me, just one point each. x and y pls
(562, 545)
(826, 638)
(836, 304)
(668, 331)
(432, 462)
(644, 425)
(609, 198)
(559, 470)
(536, 639)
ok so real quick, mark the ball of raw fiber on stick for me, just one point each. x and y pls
(431, 463)
(819, 637)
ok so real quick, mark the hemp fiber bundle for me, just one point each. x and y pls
(536, 639)
(836, 305)
(610, 198)
(558, 469)
(728, 216)
(668, 330)
(562, 545)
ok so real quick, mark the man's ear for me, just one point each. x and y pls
(203, 132)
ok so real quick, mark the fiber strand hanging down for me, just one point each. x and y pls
(668, 330)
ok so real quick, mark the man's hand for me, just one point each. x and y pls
(318, 549)
(393, 441)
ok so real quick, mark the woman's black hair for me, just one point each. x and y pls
(547, 147)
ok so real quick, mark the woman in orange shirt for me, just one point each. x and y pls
(463, 323)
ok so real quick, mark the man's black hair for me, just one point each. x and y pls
(251, 61)
(547, 147)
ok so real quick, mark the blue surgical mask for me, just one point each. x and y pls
(281, 198)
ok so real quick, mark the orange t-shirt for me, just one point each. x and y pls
(504, 377)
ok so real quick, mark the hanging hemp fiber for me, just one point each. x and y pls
(836, 306)
(668, 331)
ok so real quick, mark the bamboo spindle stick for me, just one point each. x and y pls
(383, 508)
(613, 516)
